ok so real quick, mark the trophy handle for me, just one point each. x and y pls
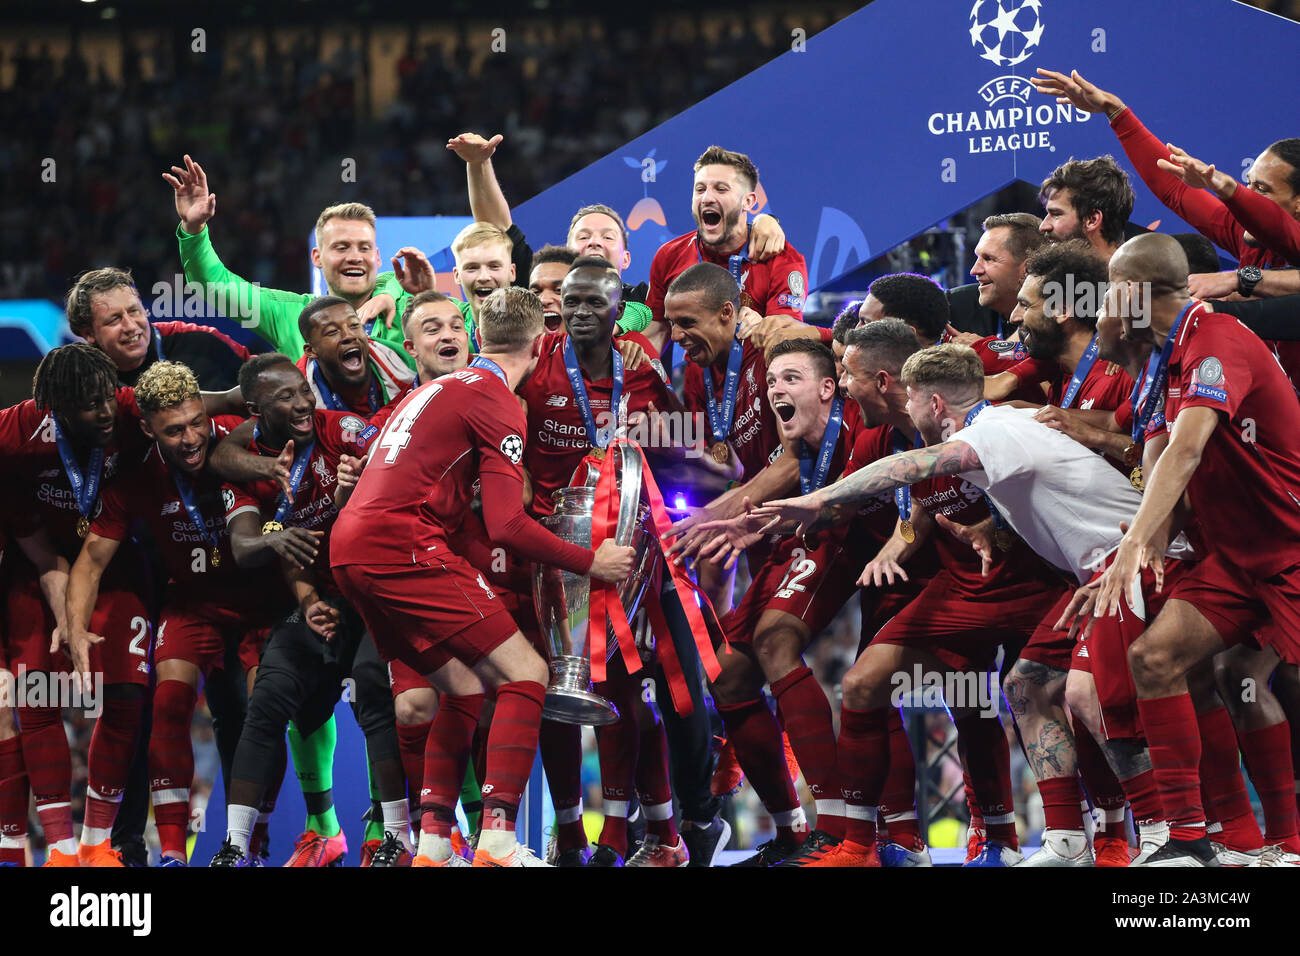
(629, 490)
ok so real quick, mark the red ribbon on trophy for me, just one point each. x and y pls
(606, 605)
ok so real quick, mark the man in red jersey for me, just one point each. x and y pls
(299, 676)
(724, 192)
(1251, 224)
(348, 370)
(1231, 412)
(425, 602)
(61, 448)
(964, 613)
(576, 397)
(210, 602)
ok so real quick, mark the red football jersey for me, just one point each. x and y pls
(446, 436)
(148, 490)
(877, 517)
(36, 473)
(961, 502)
(1244, 491)
(754, 433)
(1005, 355)
(557, 439)
(776, 287)
(1106, 386)
(337, 434)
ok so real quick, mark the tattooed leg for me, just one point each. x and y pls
(1035, 693)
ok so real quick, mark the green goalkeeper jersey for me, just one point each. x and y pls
(273, 313)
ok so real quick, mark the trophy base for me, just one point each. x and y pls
(570, 699)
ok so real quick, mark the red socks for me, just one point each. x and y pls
(983, 747)
(617, 745)
(13, 802)
(652, 785)
(109, 761)
(756, 737)
(1175, 742)
(446, 757)
(511, 748)
(171, 763)
(1268, 759)
(1223, 791)
(562, 760)
(897, 816)
(49, 769)
(806, 715)
(411, 741)
(1103, 786)
(1062, 797)
(864, 755)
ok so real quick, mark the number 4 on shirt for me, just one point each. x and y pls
(397, 434)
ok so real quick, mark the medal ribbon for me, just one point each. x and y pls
(579, 387)
(186, 491)
(491, 366)
(903, 494)
(1155, 379)
(1086, 362)
(85, 488)
(720, 419)
(331, 399)
(295, 477)
(809, 479)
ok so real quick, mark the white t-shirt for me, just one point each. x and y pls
(1062, 498)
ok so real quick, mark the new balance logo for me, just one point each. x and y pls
(171, 508)
(557, 401)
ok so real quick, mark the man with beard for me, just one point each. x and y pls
(211, 605)
(724, 193)
(1088, 199)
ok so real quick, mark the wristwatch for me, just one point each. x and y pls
(1247, 278)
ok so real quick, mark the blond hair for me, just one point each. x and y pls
(953, 370)
(509, 320)
(357, 211)
(478, 233)
(165, 385)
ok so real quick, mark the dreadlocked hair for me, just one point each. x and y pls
(165, 385)
(72, 377)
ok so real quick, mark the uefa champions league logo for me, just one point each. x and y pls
(1006, 32)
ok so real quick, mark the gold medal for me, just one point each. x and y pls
(720, 453)
(1135, 478)
(215, 559)
(907, 531)
(1004, 539)
(596, 453)
(271, 527)
(83, 526)
(746, 300)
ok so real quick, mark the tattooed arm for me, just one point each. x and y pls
(828, 505)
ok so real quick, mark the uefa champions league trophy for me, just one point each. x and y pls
(563, 599)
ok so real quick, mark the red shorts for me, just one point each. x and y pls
(1049, 647)
(965, 632)
(120, 617)
(881, 605)
(427, 614)
(1105, 653)
(402, 677)
(811, 584)
(1239, 606)
(199, 634)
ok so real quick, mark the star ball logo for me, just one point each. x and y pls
(1006, 36)
(1005, 33)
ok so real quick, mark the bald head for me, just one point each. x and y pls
(1152, 258)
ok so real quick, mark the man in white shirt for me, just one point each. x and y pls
(1064, 501)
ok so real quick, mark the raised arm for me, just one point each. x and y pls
(487, 203)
